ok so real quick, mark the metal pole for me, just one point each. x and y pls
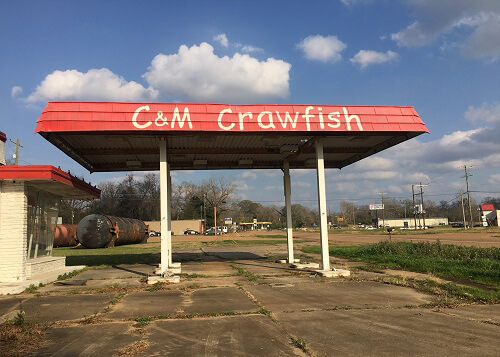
(414, 213)
(164, 207)
(288, 207)
(422, 198)
(205, 212)
(468, 196)
(169, 216)
(320, 172)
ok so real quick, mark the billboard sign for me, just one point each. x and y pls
(376, 206)
(228, 221)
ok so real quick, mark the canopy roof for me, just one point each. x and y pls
(125, 136)
(51, 179)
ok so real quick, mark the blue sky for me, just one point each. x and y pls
(441, 57)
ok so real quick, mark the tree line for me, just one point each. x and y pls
(140, 198)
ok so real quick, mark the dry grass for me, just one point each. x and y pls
(18, 340)
(133, 349)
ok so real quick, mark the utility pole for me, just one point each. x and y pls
(383, 209)
(215, 219)
(18, 145)
(463, 208)
(422, 199)
(414, 213)
(471, 224)
(205, 212)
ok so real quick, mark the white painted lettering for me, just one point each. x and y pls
(185, 116)
(288, 118)
(266, 126)
(321, 120)
(136, 114)
(335, 116)
(160, 120)
(348, 119)
(219, 120)
(241, 116)
(306, 115)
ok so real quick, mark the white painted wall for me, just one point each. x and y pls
(13, 231)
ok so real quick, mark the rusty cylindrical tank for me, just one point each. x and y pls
(65, 235)
(100, 231)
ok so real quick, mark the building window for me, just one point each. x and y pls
(43, 209)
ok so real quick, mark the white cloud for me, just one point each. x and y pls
(96, 84)
(494, 179)
(322, 48)
(250, 48)
(365, 58)
(476, 24)
(222, 39)
(196, 73)
(374, 163)
(16, 91)
(347, 187)
(355, 2)
(486, 112)
(249, 175)
(302, 184)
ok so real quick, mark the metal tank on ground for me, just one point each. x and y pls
(100, 231)
(65, 235)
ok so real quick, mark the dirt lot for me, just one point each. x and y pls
(479, 239)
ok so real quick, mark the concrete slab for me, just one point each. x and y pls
(227, 336)
(336, 273)
(488, 313)
(117, 272)
(9, 308)
(211, 300)
(335, 294)
(391, 332)
(208, 268)
(45, 278)
(263, 267)
(65, 307)
(88, 341)
(147, 303)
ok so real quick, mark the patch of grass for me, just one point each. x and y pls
(195, 275)
(156, 286)
(146, 253)
(243, 272)
(142, 321)
(480, 266)
(264, 311)
(300, 343)
(69, 275)
(271, 236)
(31, 289)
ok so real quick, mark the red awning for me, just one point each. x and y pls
(51, 179)
(125, 136)
(487, 207)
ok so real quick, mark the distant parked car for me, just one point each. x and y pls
(154, 234)
(191, 231)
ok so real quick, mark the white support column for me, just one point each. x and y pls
(288, 208)
(323, 226)
(164, 209)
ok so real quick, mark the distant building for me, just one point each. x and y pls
(179, 226)
(489, 215)
(410, 222)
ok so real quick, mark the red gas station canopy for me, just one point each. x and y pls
(125, 136)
